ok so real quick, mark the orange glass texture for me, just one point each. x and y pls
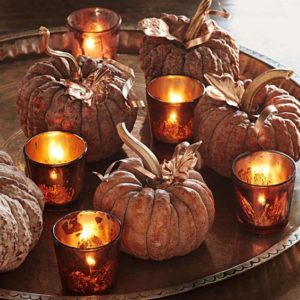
(87, 230)
(264, 184)
(94, 32)
(171, 102)
(87, 248)
(55, 148)
(55, 161)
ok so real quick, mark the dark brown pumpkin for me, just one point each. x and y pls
(83, 97)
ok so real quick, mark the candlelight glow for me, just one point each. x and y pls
(90, 261)
(89, 43)
(56, 152)
(264, 185)
(53, 175)
(264, 170)
(261, 199)
(85, 266)
(265, 174)
(175, 97)
(173, 117)
(87, 232)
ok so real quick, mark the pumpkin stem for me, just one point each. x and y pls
(74, 67)
(197, 20)
(247, 100)
(150, 161)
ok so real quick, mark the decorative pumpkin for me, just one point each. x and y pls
(166, 209)
(235, 117)
(85, 97)
(21, 214)
(177, 45)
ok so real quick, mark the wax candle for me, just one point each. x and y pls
(55, 161)
(87, 246)
(264, 183)
(171, 102)
(94, 32)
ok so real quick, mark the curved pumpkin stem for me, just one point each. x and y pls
(197, 20)
(260, 81)
(74, 67)
(150, 161)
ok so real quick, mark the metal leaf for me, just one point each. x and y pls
(228, 90)
(158, 28)
(77, 91)
(185, 158)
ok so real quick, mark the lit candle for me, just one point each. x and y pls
(55, 161)
(264, 183)
(87, 246)
(171, 102)
(94, 32)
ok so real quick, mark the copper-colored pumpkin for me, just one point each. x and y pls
(167, 212)
(216, 53)
(83, 97)
(235, 117)
(21, 214)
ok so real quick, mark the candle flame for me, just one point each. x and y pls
(56, 152)
(173, 117)
(53, 175)
(90, 261)
(175, 97)
(89, 43)
(261, 199)
(87, 232)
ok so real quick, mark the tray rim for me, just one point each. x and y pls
(10, 37)
(254, 262)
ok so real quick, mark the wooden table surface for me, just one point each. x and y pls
(267, 26)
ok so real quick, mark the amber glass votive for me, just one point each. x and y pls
(171, 101)
(264, 184)
(94, 32)
(55, 161)
(87, 247)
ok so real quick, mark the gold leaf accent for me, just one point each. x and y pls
(198, 19)
(184, 159)
(229, 90)
(77, 91)
(157, 27)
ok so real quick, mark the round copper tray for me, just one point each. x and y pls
(228, 250)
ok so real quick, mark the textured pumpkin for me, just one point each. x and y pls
(235, 117)
(21, 214)
(218, 53)
(165, 216)
(83, 97)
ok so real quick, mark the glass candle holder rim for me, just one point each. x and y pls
(115, 240)
(244, 154)
(179, 102)
(117, 24)
(56, 165)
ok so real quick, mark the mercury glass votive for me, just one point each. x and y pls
(87, 249)
(55, 161)
(263, 184)
(171, 101)
(94, 32)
